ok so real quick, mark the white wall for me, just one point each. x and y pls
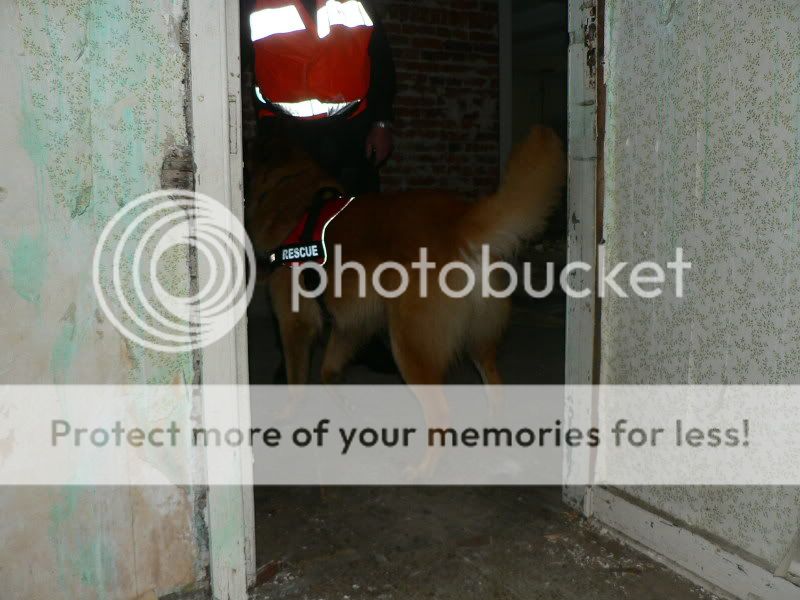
(703, 152)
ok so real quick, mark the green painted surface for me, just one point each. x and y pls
(102, 99)
(100, 102)
(28, 263)
(89, 558)
(65, 347)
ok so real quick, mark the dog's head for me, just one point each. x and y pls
(270, 157)
(281, 180)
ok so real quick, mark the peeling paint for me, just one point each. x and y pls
(65, 347)
(94, 92)
(102, 105)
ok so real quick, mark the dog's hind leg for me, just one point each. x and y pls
(486, 331)
(485, 360)
(298, 329)
(485, 335)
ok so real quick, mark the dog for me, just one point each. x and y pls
(427, 334)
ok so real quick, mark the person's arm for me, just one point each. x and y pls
(383, 86)
(380, 99)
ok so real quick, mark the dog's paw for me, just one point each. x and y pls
(424, 471)
(412, 474)
(331, 377)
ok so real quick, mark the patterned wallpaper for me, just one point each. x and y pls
(92, 99)
(703, 152)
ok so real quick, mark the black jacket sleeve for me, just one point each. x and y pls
(383, 86)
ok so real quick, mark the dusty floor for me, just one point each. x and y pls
(444, 543)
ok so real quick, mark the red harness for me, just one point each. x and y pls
(306, 242)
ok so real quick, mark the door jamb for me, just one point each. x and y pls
(216, 119)
(216, 129)
(584, 207)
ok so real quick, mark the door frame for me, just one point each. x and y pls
(217, 139)
(586, 108)
(215, 68)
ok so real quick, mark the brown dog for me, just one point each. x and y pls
(426, 333)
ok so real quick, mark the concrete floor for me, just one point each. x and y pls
(444, 543)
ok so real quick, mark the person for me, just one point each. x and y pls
(324, 72)
(325, 67)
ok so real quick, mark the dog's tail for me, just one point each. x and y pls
(530, 191)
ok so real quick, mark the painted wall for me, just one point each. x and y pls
(703, 152)
(92, 103)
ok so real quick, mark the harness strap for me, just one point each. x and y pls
(321, 198)
(272, 260)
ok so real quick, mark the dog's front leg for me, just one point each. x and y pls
(299, 329)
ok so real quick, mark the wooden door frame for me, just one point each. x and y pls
(586, 120)
(215, 66)
(216, 127)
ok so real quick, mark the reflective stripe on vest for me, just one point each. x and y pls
(272, 21)
(310, 108)
(349, 14)
(315, 108)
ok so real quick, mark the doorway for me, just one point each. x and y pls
(323, 542)
(538, 84)
(233, 556)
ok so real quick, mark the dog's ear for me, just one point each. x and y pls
(275, 145)
(275, 154)
(274, 148)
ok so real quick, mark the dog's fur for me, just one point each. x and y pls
(427, 334)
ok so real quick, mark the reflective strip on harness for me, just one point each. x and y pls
(273, 21)
(349, 14)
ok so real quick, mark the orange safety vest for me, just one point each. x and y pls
(312, 66)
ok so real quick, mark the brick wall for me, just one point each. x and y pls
(448, 86)
(447, 122)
